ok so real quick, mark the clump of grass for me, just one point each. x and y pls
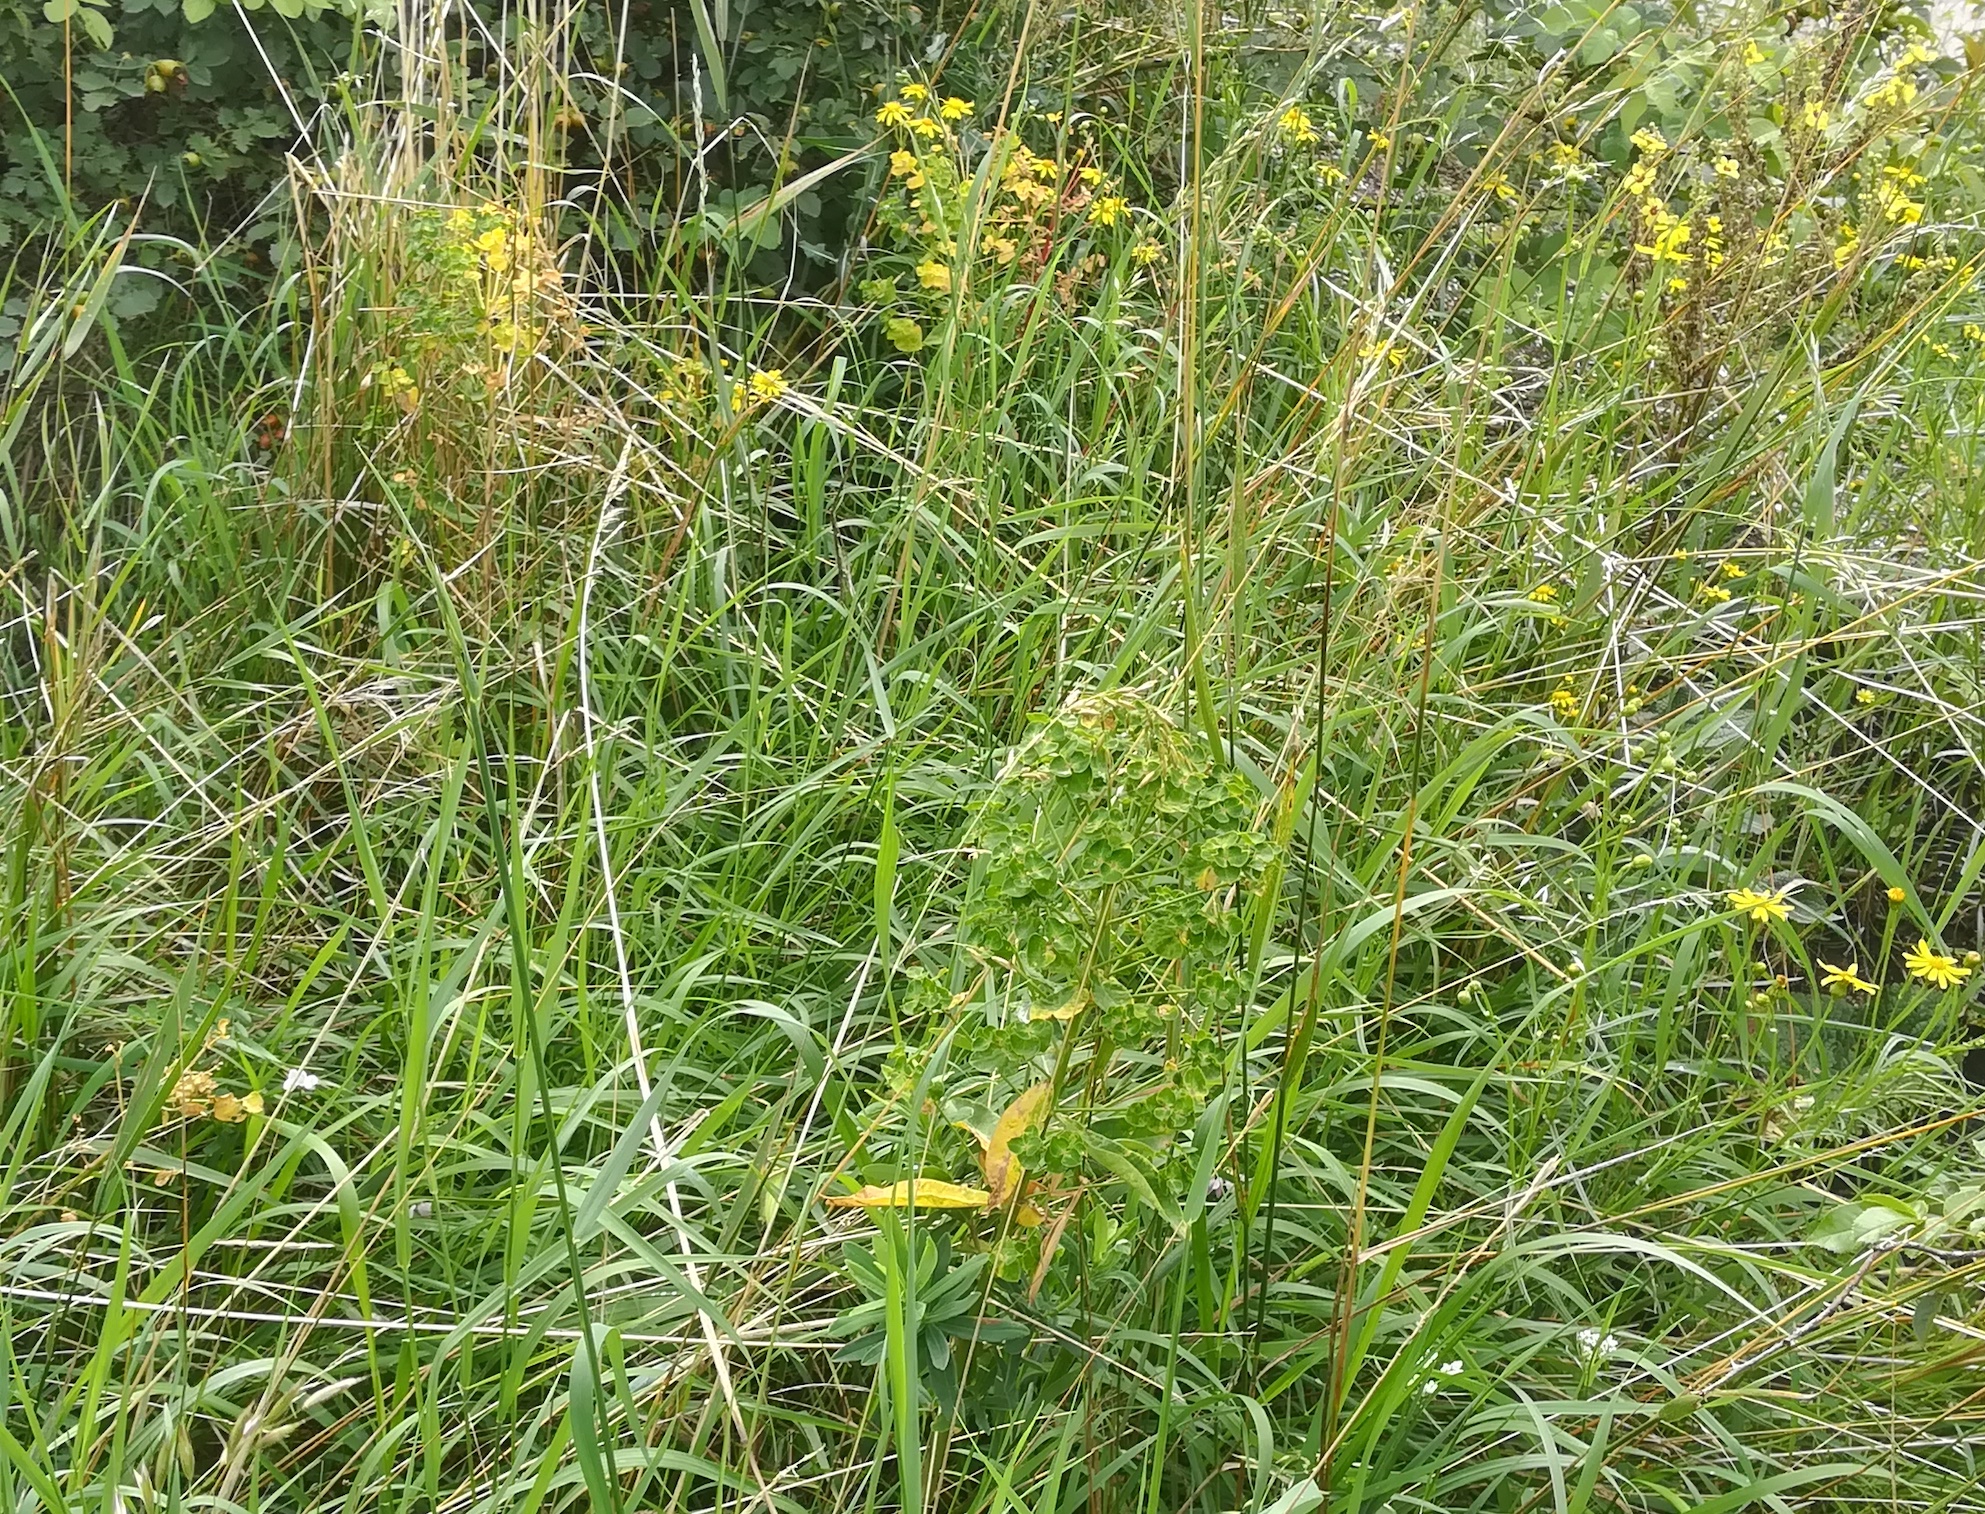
(1287, 812)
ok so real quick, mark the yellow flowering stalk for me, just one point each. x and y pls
(1296, 127)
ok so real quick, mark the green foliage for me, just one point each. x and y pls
(1329, 850)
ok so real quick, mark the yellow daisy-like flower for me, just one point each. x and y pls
(1297, 127)
(1108, 210)
(893, 113)
(767, 384)
(926, 128)
(1544, 593)
(955, 109)
(915, 91)
(1841, 980)
(1761, 908)
(1144, 254)
(1933, 967)
(1382, 141)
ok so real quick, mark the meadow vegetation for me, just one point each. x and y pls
(1207, 761)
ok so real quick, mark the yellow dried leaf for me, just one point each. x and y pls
(924, 1193)
(1002, 1172)
(1068, 1011)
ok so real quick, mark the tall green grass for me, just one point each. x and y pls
(554, 799)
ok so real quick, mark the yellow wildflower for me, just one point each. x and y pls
(1108, 210)
(926, 128)
(1934, 967)
(1382, 141)
(1712, 594)
(954, 109)
(1730, 570)
(1296, 126)
(1144, 254)
(1650, 141)
(1382, 352)
(1564, 700)
(914, 91)
(1840, 980)
(1899, 90)
(1089, 174)
(1330, 173)
(934, 275)
(893, 113)
(767, 384)
(1671, 239)
(1544, 593)
(1761, 908)
(1815, 117)
(1753, 54)
(1499, 185)
(1896, 894)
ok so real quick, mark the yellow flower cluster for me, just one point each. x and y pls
(1296, 127)
(897, 115)
(1927, 964)
(196, 1095)
(1892, 195)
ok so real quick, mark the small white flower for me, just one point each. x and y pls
(297, 1078)
(1450, 1369)
(1588, 1341)
(1609, 1345)
(1430, 1386)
